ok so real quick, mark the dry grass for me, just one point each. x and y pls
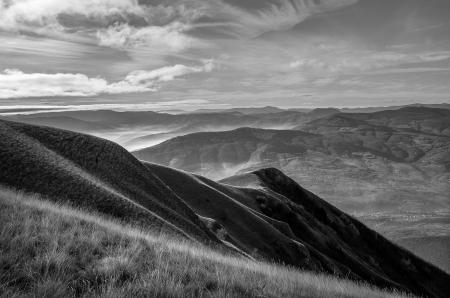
(48, 250)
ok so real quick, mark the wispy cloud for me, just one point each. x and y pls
(17, 84)
(32, 45)
(188, 104)
(257, 17)
(360, 61)
(127, 22)
(170, 37)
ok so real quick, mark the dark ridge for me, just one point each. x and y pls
(93, 173)
(367, 248)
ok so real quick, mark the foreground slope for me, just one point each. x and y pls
(276, 220)
(69, 253)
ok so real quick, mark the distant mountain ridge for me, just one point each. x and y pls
(405, 135)
(139, 129)
(274, 220)
(271, 109)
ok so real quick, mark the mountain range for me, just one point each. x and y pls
(388, 167)
(137, 130)
(363, 156)
(272, 218)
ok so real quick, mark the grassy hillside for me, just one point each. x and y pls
(66, 252)
(86, 171)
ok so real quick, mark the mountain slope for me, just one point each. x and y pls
(205, 153)
(423, 119)
(337, 241)
(66, 252)
(91, 172)
(276, 220)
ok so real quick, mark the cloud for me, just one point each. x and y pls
(38, 46)
(150, 34)
(169, 37)
(311, 63)
(17, 84)
(16, 14)
(166, 74)
(253, 18)
(121, 23)
(115, 23)
(362, 61)
(7, 110)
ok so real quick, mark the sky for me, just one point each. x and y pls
(187, 54)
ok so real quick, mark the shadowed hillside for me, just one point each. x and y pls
(91, 172)
(276, 220)
(66, 252)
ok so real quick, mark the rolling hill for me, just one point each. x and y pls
(274, 220)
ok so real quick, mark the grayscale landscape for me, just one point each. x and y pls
(225, 148)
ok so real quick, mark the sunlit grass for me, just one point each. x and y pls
(47, 250)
